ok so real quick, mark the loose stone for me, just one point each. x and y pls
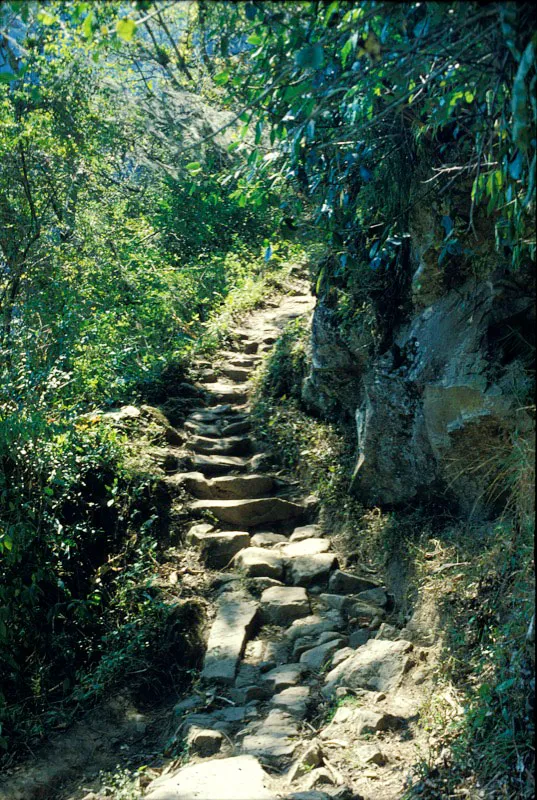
(282, 605)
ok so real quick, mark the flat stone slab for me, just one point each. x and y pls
(274, 738)
(305, 570)
(249, 513)
(234, 373)
(230, 630)
(281, 605)
(212, 415)
(219, 465)
(225, 392)
(236, 428)
(314, 625)
(305, 532)
(230, 446)
(241, 360)
(377, 665)
(294, 700)
(227, 487)
(237, 778)
(284, 677)
(202, 429)
(317, 657)
(267, 539)
(305, 547)
(258, 562)
(347, 583)
(218, 549)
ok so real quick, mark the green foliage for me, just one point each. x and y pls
(357, 98)
(117, 245)
(486, 604)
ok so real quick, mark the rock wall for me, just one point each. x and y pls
(436, 412)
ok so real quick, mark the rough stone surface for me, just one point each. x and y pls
(293, 699)
(305, 532)
(375, 597)
(341, 655)
(364, 611)
(311, 758)
(315, 658)
(378, 666)
(282, 605)
(387, 631)
(306, 570)
(370, 754)
(272, 739)
(218, 549)
(359, 637)
(234, 620)
(305, 547)
(284, 677)
(236, 428)
(314, 625)
(267, 539)
(232, 446)
(219, 465)
(196, 533)
(225, 393)
(250, 512)
(369, 720)
(232, 487)
(259, 562)
(345, 583)
(237, 778)
(204, 742)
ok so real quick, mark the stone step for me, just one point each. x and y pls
(241, 360)
(236, 428)
(219, 549)
(225, 392)
(281, 605)
(258, 562)
(274, 738)
(230, 446)
(237, 374)
(209, 415)
(249, 513)
(202, 429)
(305, 547)
(232, 487)
(235, 618)
(236, 778)
(219, 465)
(312, 569)
(250, 347)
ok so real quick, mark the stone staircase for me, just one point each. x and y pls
(291, 634)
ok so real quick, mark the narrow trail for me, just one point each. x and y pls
(306, 691)
(292, 634)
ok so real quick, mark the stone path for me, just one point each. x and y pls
(291, 631)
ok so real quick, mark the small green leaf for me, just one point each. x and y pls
(254, 39)
(194, 167)
(221, 78)
(311, 56)
(87, 25)
(45, 18)
(125, 29)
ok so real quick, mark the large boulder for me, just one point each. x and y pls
(378, 665)
(441, 403)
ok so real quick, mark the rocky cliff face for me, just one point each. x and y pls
(436, 413)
